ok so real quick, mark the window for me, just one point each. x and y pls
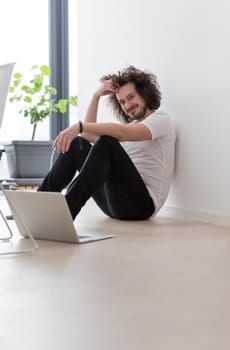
(26, 42)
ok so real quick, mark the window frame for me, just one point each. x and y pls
(59, 59)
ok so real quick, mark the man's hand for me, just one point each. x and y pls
(65, 137)
(107, 87)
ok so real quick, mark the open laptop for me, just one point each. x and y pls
(45, 215)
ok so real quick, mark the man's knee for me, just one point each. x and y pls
(77, 143)
(106, 139)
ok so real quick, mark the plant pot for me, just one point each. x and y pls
(28, 159)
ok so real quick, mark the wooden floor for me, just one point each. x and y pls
(161, 285)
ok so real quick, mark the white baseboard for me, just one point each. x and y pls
(185, 214)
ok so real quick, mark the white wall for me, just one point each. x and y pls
(186, 44)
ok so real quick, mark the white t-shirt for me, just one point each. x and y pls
(154, 159)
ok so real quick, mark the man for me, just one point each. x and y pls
(126, 167)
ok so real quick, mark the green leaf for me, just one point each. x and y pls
(73, 101)
(17, 75)
(28, 99)
(27, 89)
(50, 90)
(37, 88)
(61, 105)
(45, 70)
(38, 80)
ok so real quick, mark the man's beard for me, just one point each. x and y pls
(140, 115)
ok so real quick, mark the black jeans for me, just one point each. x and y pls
(105, 172)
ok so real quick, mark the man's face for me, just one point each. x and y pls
(131, 102)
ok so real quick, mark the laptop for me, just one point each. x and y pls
(46, 216)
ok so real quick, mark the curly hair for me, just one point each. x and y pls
(145, 83)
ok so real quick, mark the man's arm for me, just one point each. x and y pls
(130, 132)
(91, 114)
